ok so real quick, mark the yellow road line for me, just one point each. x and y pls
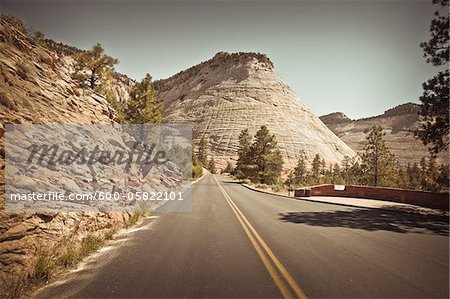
(298, 291)
(249, 229)
(276, 278)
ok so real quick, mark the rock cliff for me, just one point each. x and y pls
(232, 92)
(399, 124)
(36, 88)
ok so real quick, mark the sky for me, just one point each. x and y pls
(357, 57)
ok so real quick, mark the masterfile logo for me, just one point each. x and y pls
(87, 167)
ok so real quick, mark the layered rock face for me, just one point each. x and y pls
(399, 124)
(232, 92)
(36, 88)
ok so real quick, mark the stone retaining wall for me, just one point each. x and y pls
(420, 198)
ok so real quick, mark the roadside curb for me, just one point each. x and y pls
(325, 202)
(265, 191)
(298, 198)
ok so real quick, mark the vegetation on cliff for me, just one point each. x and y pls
(93, 66)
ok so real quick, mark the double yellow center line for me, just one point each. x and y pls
(283, 280)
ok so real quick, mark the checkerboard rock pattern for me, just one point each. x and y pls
(232, 92)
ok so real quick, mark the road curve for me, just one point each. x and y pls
(327, 251)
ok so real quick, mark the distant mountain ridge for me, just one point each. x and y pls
(399, 123)
(407, 108)
(335, 117)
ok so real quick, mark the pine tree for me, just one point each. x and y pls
(403, 178)
(265, 158)
(323, 167)
(316, 167)
(300, 171)
(212, 165)
(433, 174)
(260, 161)
(434, 110)
(436, 50)
(351, 171)
(356, 172)
(15, 22)
(289, 181)
(272, 171)
(197, 170)
(337, 175)
(443, 178)
(142, 106)
(38, 37)
(229, 168)
(92, 66)
(242, 169)
(378, 162)
(423, 173)
(202, 152)
(414, 177)
(345, 166)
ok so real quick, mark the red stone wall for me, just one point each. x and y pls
(420, 198)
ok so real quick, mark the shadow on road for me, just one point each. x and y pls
(373, 220)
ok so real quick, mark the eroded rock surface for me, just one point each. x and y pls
(232, 92)
(36, 88)
(399, 124)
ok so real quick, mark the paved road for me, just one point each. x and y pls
(240, 243)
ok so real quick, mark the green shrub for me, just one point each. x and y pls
(197, 171)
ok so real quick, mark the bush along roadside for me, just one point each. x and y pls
(51, 261)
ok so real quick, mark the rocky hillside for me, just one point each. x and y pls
(232, 92)
(335, 118)
(399, 124)
(36, 88)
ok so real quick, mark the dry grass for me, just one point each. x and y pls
(109, 235)
(14, 289)
(90, 244)
(133, 219)
(45, 266)
(70, 256)
(24, 70)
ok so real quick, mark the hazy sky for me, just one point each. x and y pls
(358, 57)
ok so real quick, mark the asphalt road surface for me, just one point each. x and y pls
(240, 243)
